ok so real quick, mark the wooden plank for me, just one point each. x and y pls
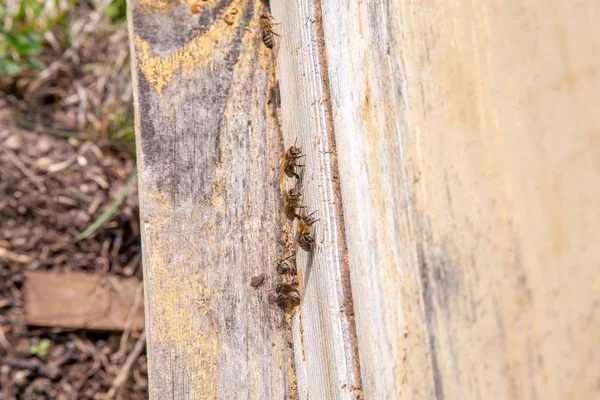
(326, 357)
(468, 140)
(208, 154)
(83, 301)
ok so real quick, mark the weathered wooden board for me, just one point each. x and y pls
(208, 154)
(468, 143)
(327, 365)
(83, 301)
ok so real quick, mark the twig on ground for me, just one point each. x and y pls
(26, 171)
(130, 317)
(95, 367)
(3, 341)
(71, 52)
(65, 164)
(121, 378)
(8, 255)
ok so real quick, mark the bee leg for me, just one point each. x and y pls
(281, 300)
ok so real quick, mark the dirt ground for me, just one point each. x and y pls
(61, 167)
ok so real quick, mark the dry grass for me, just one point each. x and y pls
(85, 87)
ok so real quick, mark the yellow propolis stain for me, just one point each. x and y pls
(216, 199)
(157, 6)
(192, 336)
(202, 51)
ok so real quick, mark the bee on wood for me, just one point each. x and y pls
(290, 161)
(303, 234)
(287, 265)
(292, 201)
(266, 31)
(306, 241)
(288, 295)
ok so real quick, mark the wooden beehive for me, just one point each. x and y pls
(453, 153)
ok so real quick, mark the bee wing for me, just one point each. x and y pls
(283, 165)
(299, 231)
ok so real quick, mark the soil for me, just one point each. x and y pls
(65, 155)
(51, 189)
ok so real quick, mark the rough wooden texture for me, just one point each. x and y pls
(208, 153)
(468, 142)
(83, 301)
(324, 334)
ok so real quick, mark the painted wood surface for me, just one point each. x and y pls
(208, 154)
(468, 143)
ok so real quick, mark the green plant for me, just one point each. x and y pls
(22, 32)
(40, 349)
(126, 134)
(19, 49)
(117, 11)
(109, 211)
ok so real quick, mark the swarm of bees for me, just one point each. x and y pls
(288, 295)
(292, 202)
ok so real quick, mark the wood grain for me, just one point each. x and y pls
(83, 301)
(467, 138)
(208, 154)
(327, 365)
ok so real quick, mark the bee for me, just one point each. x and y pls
(303, 233)
(306, 241)
(266, 31)
(290, 161)
(292, 201)
(287, 265)
(288, 295)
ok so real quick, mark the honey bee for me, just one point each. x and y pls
(292, 201)
(290, 161)
(288, 295)
(266, 31)
(287, 265)
(303, 234)
(306, 241)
